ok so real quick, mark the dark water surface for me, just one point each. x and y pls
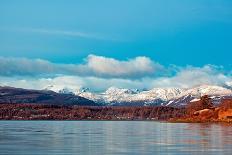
(113, 137)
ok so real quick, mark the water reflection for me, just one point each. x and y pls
(108, 137)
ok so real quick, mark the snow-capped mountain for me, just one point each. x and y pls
(67, 90)
(121, 96)
(216, 93)
(156, 96)
(79, 91)
(207, 90)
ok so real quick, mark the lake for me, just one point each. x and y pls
(113, 137)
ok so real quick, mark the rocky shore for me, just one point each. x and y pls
(204, 111)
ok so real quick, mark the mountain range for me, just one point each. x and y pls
(158, 96)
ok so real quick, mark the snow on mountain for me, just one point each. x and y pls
(114, 94)
(76, 90)
(216, 93)
(98, 98)
(61, 89)
(156, 96)
(121, 96)
(179, 101)
(195, 100)
(207, 90)
(164, 94)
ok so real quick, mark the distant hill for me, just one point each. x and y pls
(10, 95)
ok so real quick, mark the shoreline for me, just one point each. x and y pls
(158, 121)
(92, 113)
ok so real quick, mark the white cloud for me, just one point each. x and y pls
(132, 67)
(185, 78)
(100, 73)
(193, 76)
(74, 82)
(98, 66)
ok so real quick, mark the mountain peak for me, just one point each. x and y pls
(115, 90)
(208, 90)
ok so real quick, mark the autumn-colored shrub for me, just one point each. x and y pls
(226, 104)
(204, 103)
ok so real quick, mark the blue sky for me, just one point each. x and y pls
(176, 33)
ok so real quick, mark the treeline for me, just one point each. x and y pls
(55, 112)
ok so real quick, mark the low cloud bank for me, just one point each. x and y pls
(186, 78)
(93, 65)
(100, 73)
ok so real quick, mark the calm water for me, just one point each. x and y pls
(113, 137)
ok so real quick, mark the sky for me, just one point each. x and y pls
(123, 43)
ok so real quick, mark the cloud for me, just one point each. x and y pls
(193, 76)
(185, 78)
(100, 73)
(73, 82)
(69, 33)
(23, 66)
(138, 66)
(98, 66)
